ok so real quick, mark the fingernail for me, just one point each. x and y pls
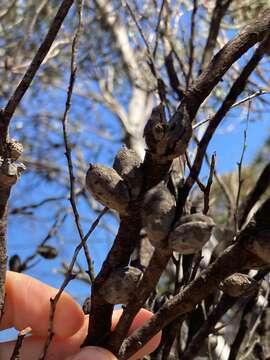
(94, 353)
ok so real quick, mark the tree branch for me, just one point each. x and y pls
(222, 61)
(221, 6)
(34, 66)
(206, 283)
(4, 195)
(234, 92)
(119, 255)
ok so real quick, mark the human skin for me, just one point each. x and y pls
(27, 304)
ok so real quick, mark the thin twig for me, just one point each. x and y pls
(250, 97)
(16, 352)
(220, 182)
(35, 64)
(133, 16)
(73, 72)
(19, 210)
(240, 180)
(209, 184)
(173, 77)
(240, 102)
(191, 42)
(161, 87)
(4, 196)
(197, 180)
(157, 27)
(68, 277)
(59, 220)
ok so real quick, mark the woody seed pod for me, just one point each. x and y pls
(158, 214)
(15, 149)
(237, 284)
(155, 128)
(127, 163)
(15, 263)
(87, 306)
(121, 284)
(47, 251)
(191, 233)
(107, 187)
(10, 172)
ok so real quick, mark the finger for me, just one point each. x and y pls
(62, 348)
(138, 321)
(28, 304)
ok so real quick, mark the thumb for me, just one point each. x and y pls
(93, 353)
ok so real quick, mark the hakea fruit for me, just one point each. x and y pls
(158, 214)
(10, 172)
(47, 251)
(155, 128)
(237, 284)
(15, 263)
(87, 305)
(127, 163)
(107, 187)
(190, 233)
(120, 286)
(167, 140)
(15, 149)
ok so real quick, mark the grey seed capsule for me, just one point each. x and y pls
(158, 214)
(155, 128)
(127, 163)
(121, 285)
(15, 263)
(15, 149)
(107, 186)
(237, 284)
(47, 251)
(87, 306)
(191, 233)
(10, 172)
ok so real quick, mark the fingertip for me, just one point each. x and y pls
(69, 316)
(142, 316)
(28, 304)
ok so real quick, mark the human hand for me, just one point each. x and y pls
(27, 304)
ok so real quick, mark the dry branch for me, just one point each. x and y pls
(16, 352)
(35, 65)
(221, 6)
(223, 60)
(188, 298)
(234, 92)
(5, 117)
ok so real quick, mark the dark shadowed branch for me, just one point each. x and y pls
(234, 92)
(221, 6)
